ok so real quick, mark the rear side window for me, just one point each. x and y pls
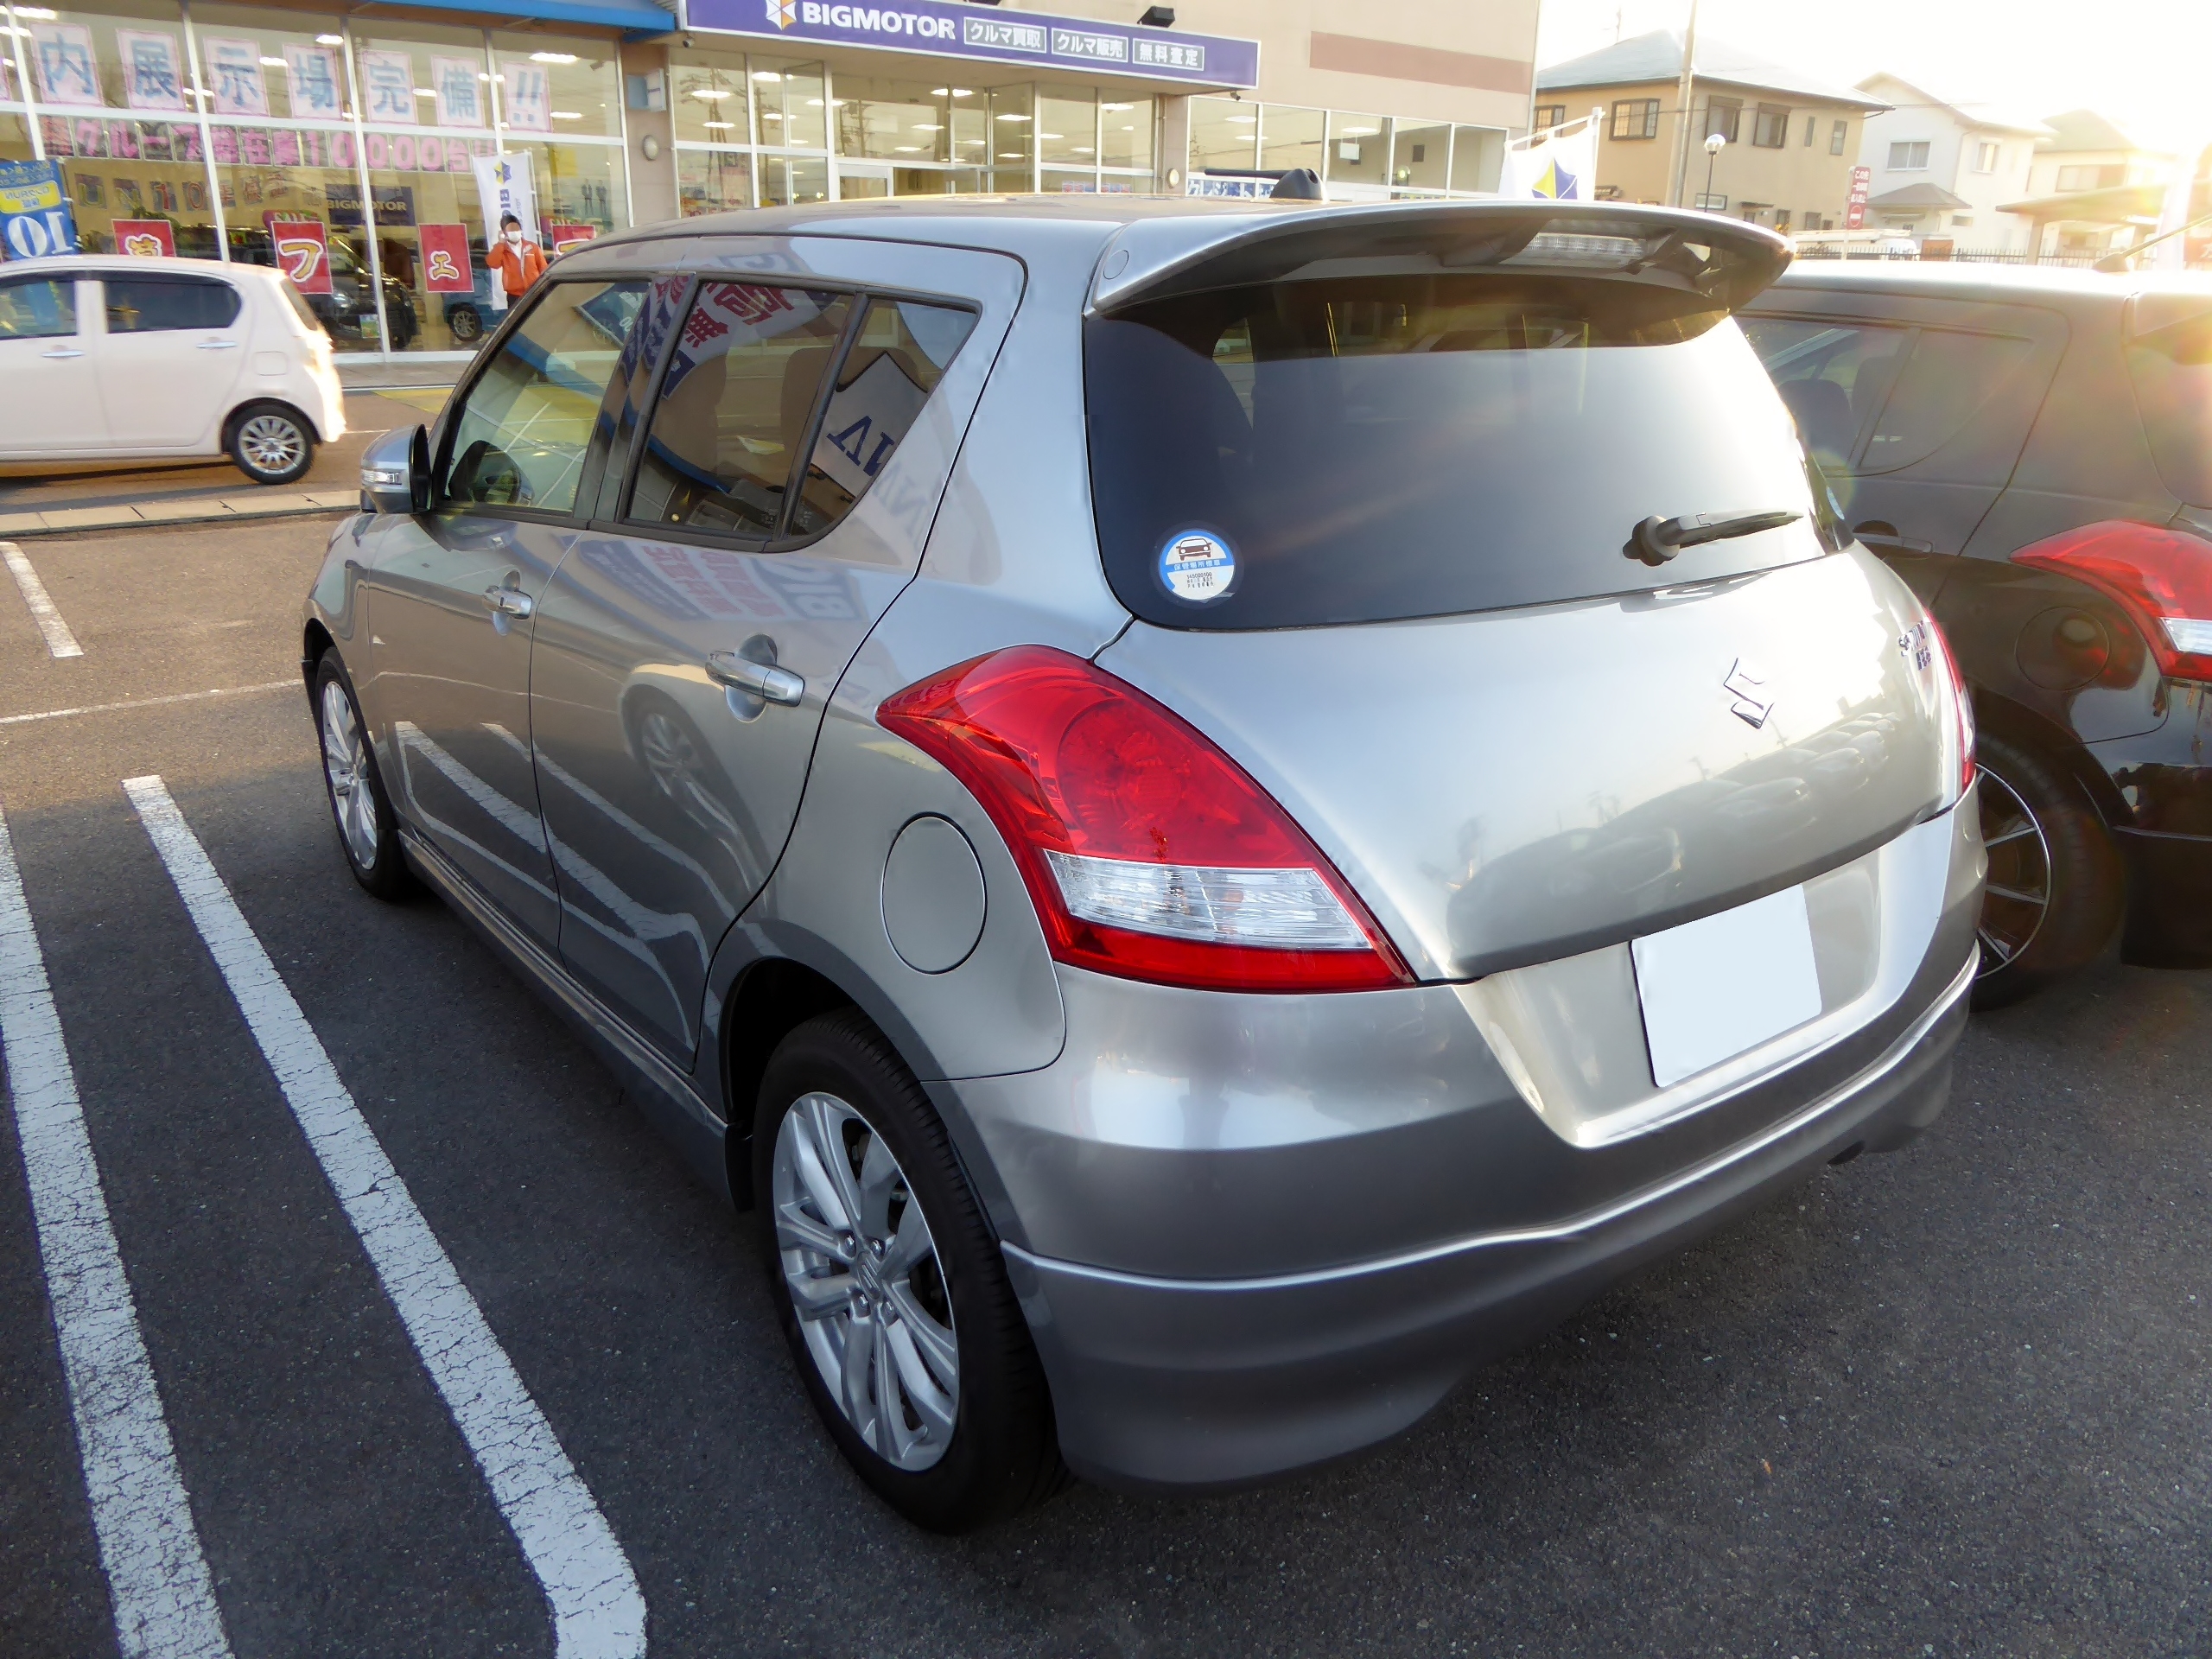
(896, 360)
(735, 405)
(37, 307)
(145, 305)
(1832, 377)
(2172, 367)
(1366, 449)
(1949, 381)
(519, 437)
(298, 303)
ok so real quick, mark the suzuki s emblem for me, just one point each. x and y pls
(1748, 686)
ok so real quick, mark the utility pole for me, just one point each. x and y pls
(1682, 91)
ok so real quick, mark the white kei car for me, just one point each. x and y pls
(135, 358)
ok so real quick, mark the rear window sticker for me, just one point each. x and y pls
(1197, 566)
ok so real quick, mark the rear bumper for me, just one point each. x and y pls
(1162, 1382)
(2169, 898)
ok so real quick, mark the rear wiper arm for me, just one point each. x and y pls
(1657, 540)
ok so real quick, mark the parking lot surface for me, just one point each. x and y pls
(1950, 1401)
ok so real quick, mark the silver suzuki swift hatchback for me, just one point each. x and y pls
(1211, 812)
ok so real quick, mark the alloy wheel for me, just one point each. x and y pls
(271, 443)
(866, 1283)
(346, 763)
(2016, 899)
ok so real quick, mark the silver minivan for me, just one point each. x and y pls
(1213, 812)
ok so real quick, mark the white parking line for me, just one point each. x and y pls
(157, 1577)
(59, 640)
(150, 702)
(598, 1611)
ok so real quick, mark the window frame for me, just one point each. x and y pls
(1717, 108)
(1839, 136)
(611, 509)
(1908, 145)
(1557, 112)
(1773, 120)
(1646, 113)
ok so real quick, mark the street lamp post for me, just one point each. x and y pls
(1714, 144)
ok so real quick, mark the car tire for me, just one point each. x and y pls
(2057, 884)
(368, 833)
(465, 324)
(271, 443)
(930, 1306)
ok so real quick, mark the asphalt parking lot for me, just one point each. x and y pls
(1953, 1401)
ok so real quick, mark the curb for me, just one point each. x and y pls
(63, 521)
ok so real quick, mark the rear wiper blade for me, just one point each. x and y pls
(1657, 540)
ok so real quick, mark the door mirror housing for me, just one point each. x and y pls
(395, 472)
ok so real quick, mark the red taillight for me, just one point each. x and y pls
(2161, 578)
(1962, 707)
(1149, 853)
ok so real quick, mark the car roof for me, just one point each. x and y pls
(99, 262)
(1964, 280)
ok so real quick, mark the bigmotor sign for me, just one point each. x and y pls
(948, 28)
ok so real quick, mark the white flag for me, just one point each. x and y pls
(2172, 254)
(1558, 165)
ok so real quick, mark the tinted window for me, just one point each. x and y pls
(519, 438)
(143, 305)
(1365, 448)
(1832, 376)
(735, 406)
(895, 362)
(37, 309)
(2172, 371)
(1949, 380)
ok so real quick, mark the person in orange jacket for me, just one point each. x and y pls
(518, 260)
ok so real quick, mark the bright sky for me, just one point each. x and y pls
(2147, 64)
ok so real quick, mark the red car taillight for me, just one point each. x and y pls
(2161, 578)
(1961, 709)
(1149, 854)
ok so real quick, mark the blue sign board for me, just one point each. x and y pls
(948, 28)
(35, 218)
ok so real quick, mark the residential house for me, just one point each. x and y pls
(1792, 138)
(1945, 169)
(2093, 188)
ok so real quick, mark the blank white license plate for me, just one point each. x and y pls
(1716, 987)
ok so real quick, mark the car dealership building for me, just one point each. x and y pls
(207, 126)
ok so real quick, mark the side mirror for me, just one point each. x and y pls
(395, 472)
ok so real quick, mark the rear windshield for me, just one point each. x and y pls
(2172, 370)
(1357, 450)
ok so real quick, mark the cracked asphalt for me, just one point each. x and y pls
(1950, 1401)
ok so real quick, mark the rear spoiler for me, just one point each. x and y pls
(1721, 260)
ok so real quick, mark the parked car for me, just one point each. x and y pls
(2031, 449)
(466, 314)
(106, 356)
(1213, 811)
(349, 310)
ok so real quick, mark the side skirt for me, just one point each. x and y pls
(668, 1099)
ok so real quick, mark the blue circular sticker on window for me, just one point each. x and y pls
(1196, 566)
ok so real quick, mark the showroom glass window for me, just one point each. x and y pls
(115, 109)
(285, 154)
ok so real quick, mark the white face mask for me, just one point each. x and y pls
(514, 238)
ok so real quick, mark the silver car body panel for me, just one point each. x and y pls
(1251, 1231)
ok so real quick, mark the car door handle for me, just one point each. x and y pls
(510, 600)
(66, 351)
(763, 680)
(218, 344)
